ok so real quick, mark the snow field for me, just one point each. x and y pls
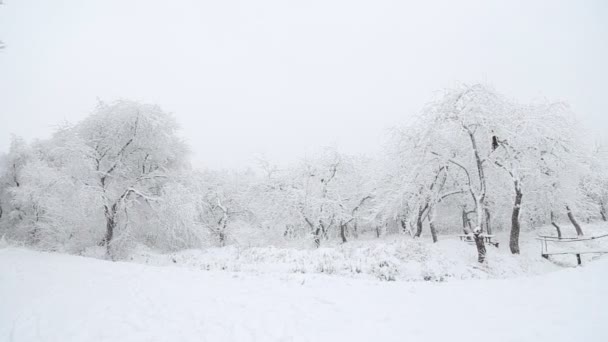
(53, 297)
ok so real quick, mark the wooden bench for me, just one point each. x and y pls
(544, 247)
(471, 239)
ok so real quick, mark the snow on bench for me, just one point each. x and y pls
(486, 238)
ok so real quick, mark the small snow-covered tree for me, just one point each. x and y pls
(355, 193)
(222, 202)
(314, 193)
(320, 197)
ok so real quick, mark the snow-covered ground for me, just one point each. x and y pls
(55, 297)
(394, 257)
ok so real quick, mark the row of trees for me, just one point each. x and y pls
(472, 160)
(480, 151)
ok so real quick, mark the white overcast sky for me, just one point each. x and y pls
(280, 78)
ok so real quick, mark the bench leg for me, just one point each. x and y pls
(578, 259)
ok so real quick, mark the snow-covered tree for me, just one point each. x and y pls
(133, 148)
(459, 141)
(472, 157)
(222, 201)
(594, 183)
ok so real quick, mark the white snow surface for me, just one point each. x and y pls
(394, 257)
(56, 297)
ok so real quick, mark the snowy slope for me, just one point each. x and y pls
(53, 297)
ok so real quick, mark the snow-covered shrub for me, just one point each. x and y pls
(326, 261)
(385, 270)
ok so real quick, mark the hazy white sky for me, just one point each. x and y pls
(280, 78)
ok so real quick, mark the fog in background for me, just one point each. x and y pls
(281, 78)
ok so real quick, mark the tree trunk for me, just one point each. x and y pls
(466, 223)
(559, 231)
(419, 221)
(488, 221)
(481, 248)
(480, 198)
(317, 237)
(418, 226)
(403, 225)
(433, 231)
(602, 211)
(110, 225)
(515, 227)
(579, 230)
(222, 237)
(343, 232)
(355, 231)
(432, 224)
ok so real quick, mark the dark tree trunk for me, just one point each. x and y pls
(559, 230)
(579, 230)
(464, 221)
(432, 227)
(481, 247)
(488, 221)
(515, 227)
(418, 226)
(419, 221)
(403, 225)
(110, 213)
(110, 225)
(378, 231)
(317, 237)
(343, 227)
(433, 231)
